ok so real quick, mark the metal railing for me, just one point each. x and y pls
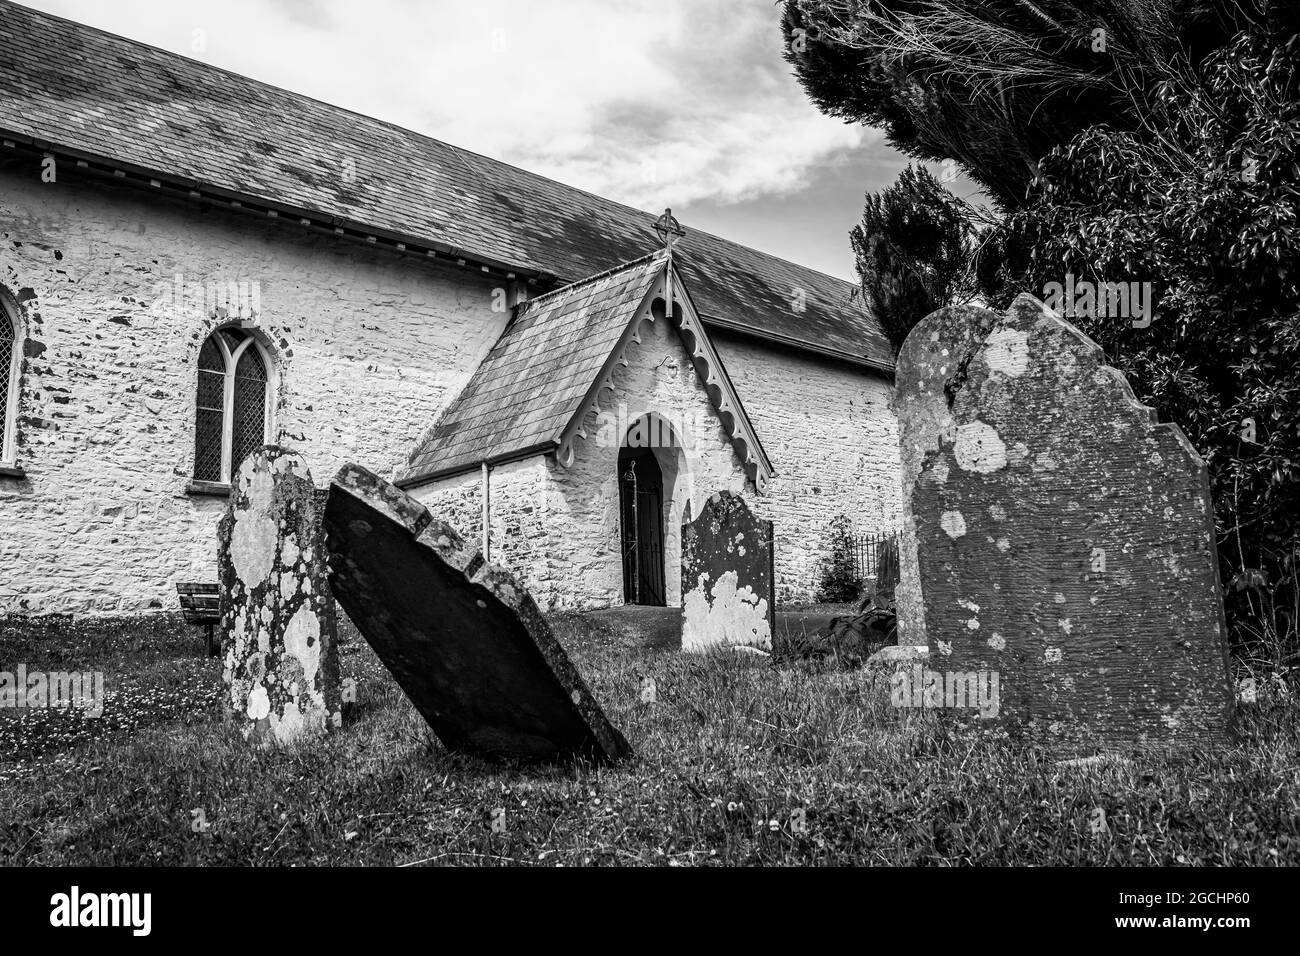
(867, 549)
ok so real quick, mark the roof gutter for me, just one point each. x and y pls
(886, 368)
(423, 478)
(195, 189)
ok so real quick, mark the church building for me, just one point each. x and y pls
(194, 264)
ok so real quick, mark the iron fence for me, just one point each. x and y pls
(866, 550)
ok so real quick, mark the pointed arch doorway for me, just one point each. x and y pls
(641, 507)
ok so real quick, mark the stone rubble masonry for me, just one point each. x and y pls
(727, 558)
(277, 611)
(1057, 535)
(833, 441)
(463, 637)
(368, 348)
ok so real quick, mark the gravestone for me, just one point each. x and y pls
(887, 569)
(727, 577)
(277, 612)
(1056, 534)
(462, 637)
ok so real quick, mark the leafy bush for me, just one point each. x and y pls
(840, 582)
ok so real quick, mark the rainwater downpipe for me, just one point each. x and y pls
(486, 489)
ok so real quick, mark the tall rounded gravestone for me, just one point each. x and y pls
(1056, 535)
(277, 610)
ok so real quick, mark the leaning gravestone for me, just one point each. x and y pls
(727, 577)
(277, 613)
(462, 637)
(1055, 534)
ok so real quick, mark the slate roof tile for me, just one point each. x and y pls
(85, 90)
(532, 383)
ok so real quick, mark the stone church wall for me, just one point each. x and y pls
(833, 441)
(368, 347)
(520, 532)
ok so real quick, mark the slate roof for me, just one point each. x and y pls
(68, 86)
(532, 383)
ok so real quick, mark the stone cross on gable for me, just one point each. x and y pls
(669, 230)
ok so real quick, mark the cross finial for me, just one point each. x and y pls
(669, 229)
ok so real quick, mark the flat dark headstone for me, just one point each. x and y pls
(727, 577)
(463, 638)
(1055, 533)
(277, 613)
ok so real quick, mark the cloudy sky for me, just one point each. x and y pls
(682, 103)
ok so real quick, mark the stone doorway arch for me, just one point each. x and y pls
(650, 466)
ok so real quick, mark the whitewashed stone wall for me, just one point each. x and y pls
(369, 347)
(833, 441)
(520, 536)
(558, 528)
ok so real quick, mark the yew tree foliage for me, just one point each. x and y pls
(913, 250)
(995, 84)
(1170, 156)
(1204, 202)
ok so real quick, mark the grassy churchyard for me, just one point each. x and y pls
(736, 761)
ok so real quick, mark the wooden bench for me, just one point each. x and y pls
(199, 602)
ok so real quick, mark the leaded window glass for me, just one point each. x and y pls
(231, 411)
(249, 427)
(8, 346)
(209, 427)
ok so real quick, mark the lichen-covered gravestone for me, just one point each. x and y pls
(462, 637)
(1056, 534)
(727, 577)
(277, 613)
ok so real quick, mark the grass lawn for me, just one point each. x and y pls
(737, 762)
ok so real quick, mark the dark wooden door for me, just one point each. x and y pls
(641, 507)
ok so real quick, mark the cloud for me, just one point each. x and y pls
(651, 102)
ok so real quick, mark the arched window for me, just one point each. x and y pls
(232, 415)
(11, 357)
